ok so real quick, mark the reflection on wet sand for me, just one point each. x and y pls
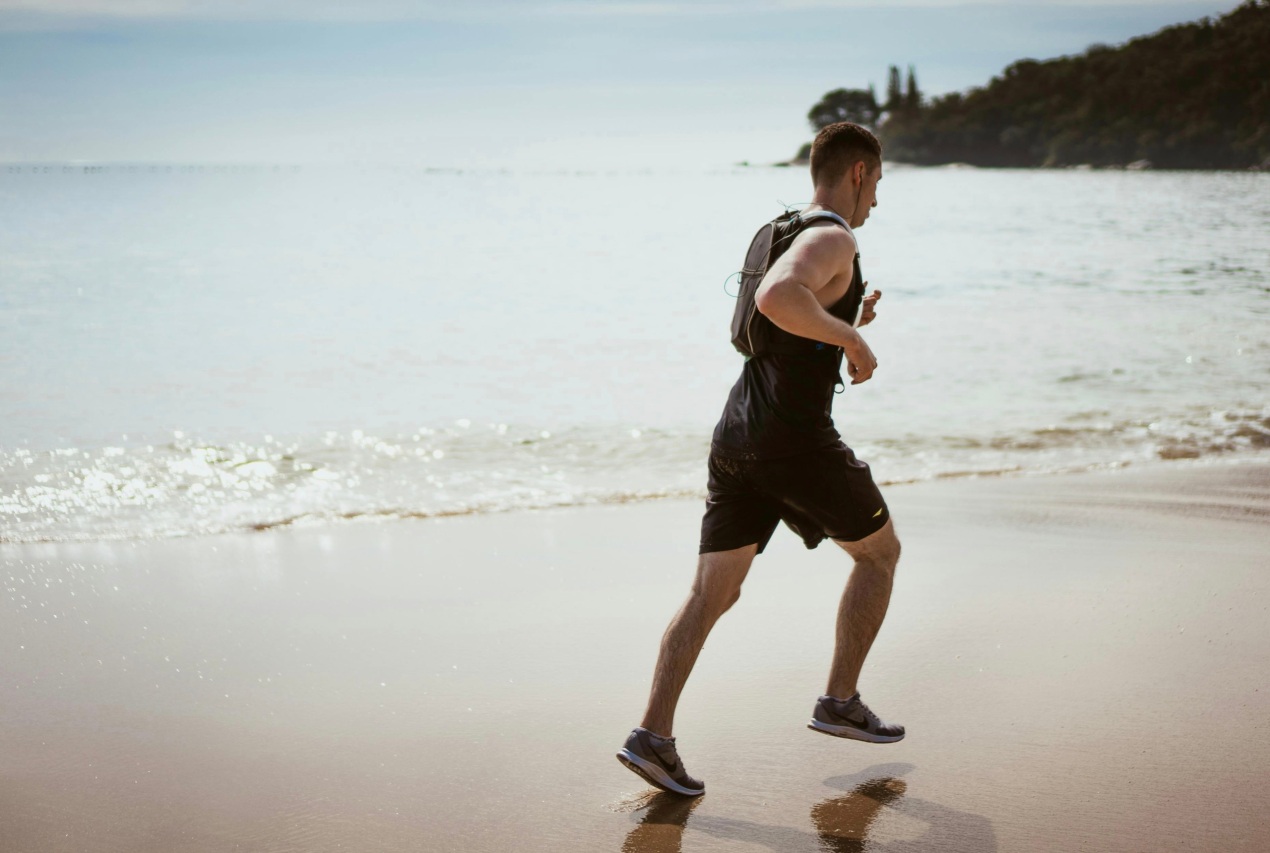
(843, 822)
(662, 828)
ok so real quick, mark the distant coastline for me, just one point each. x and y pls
(1136, 166)
(1191, 96)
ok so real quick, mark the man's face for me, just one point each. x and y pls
(868, 197)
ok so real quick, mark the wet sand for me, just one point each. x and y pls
(1082, 661)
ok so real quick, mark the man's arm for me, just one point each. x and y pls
(788, 295)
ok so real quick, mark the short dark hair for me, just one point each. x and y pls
(840, 145)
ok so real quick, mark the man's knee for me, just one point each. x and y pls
(893, 551)
(883, 561)
(887, 555)
(717, 585)
(731, 599)
(878, 551)
(716, 594)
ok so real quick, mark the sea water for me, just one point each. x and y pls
(191, 349)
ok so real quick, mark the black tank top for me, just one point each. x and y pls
(781, 404)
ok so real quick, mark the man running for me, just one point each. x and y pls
(777, 457)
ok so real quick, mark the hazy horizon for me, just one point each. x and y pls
(567, 84)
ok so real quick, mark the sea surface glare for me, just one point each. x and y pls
(189, 350)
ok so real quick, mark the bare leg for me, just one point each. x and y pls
(863, 606)
(715, 589)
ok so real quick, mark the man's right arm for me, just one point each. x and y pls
(788, 295)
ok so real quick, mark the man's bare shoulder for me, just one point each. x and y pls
(818, 256)
(825, 241)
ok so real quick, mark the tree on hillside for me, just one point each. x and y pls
(912, 97)
(894, 93)
(857, 105)
(1191, 96)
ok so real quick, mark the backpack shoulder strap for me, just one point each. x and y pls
(826, 214)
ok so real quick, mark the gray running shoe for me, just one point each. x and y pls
(852, 718)
(656, 759)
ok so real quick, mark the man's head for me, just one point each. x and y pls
(846, 165)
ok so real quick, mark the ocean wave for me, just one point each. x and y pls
(188, 486)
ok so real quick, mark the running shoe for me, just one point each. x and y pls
(851, 718)
(657, 761)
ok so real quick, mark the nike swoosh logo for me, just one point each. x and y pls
(879, 512)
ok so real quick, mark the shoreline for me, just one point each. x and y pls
(309, 522)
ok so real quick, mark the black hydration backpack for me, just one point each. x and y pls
(752, 333)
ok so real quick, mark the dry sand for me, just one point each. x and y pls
(1082, 661)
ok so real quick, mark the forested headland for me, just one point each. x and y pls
(1191, 96)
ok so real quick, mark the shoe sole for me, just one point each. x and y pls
(851, 732)
(654, 775)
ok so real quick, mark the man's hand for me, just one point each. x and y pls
(860, 360)
(870, 307)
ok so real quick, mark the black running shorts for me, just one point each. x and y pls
(822, 494)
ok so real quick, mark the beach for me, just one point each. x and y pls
(1081, 661)
(360, 367)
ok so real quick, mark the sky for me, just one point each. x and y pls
(483, 84)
